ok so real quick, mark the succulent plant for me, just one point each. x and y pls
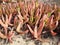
(33, 14)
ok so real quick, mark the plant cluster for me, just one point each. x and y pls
(28, 17)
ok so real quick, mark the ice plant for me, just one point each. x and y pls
(20, 24)
(32, 16)
(37, 31)
(6, 22)
(52, 25)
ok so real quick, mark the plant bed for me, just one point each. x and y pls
(31, 20)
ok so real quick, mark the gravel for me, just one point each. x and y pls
(18, 40)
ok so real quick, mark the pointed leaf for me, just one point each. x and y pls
(41, 26)
(30, 29)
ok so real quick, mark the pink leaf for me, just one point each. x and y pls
(30, 29)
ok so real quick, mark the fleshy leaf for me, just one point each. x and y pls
(30, 29)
